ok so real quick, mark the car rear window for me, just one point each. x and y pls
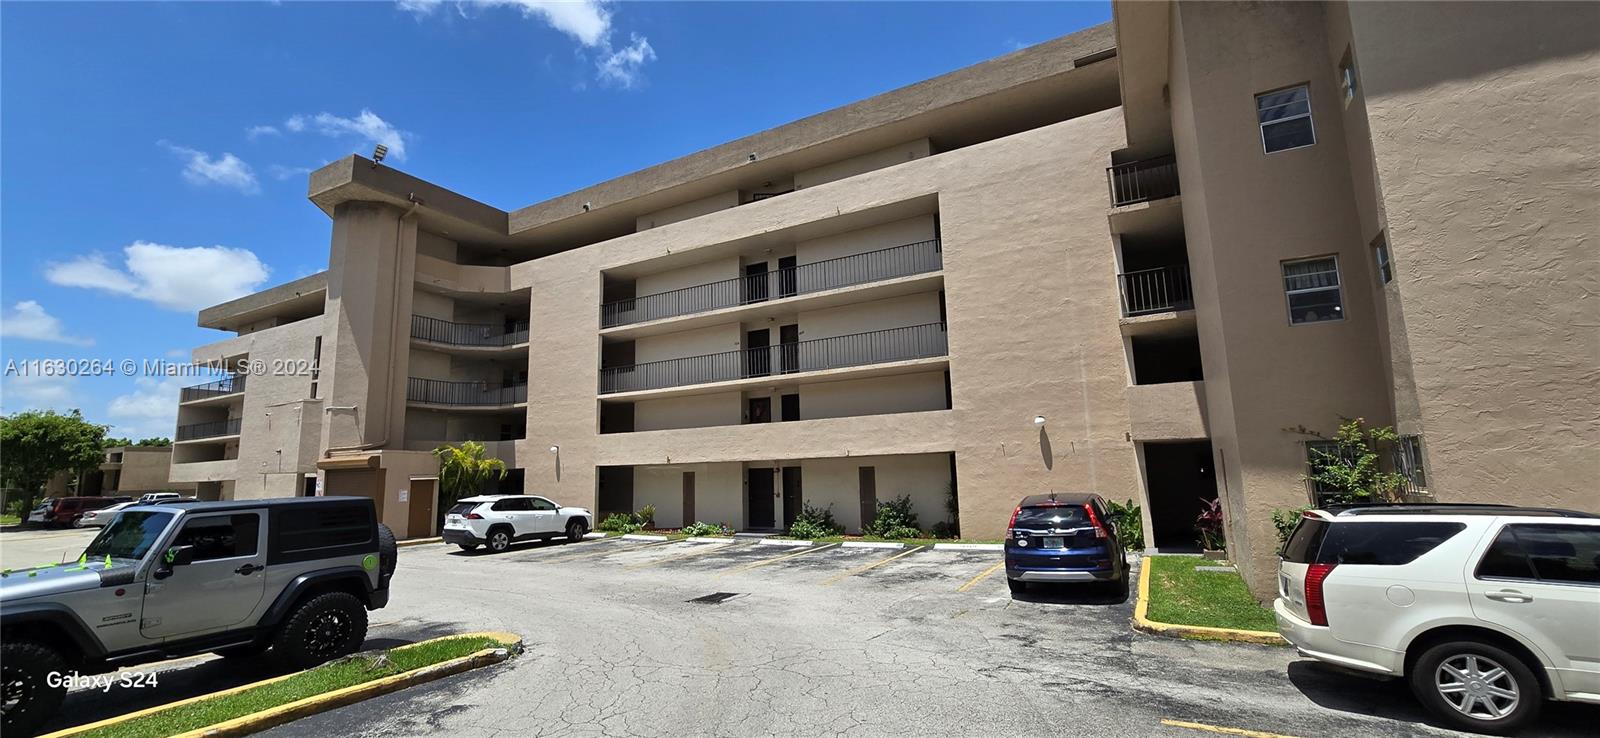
(462, 508)
(1056, 516)
(308, 531)
(1383, 543)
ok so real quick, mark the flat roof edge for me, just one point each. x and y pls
(217, 316)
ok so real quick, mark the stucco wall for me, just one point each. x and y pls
(907, 393)
(887, 157)
(676, 213)
(695, 411)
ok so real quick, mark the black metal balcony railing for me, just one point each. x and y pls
(444, 392)
(435, 330)
(844, 271)
(875, 347)
(1143, 181)
(214, 429)
(1156, 290)
(225, 386)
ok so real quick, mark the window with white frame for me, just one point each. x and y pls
(1380, 251)
(1320, 455)
(1285, 118)
(1312, 288)
(1347, 78)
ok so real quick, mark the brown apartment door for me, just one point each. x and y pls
(420, 520)
(791, 495)
(869, 495)
(688, 498)
(759, 503)
(789, 348)
(786, 275)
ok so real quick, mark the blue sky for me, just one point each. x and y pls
(153, 157)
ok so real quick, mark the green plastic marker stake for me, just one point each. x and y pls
(83, 558)
(108, 561)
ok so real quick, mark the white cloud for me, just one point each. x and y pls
(39, 392)
(295, 123)
(202, 169)
(622, 67)
(28, 319)
(255, 132)
(181, 278)
(280, 172)
(589, 22)
(368, 126)
(150, 410)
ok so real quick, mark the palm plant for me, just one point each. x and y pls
(464, 469)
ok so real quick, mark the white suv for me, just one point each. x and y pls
(1487, 610)
(497, 520)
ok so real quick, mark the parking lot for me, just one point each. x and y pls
(633, 637)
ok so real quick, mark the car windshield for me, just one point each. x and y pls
(1054, 516)
(130, 536)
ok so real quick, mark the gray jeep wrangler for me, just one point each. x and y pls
(291, 576)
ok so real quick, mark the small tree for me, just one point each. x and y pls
(35, 446)
(463, 470)
(1352, 473)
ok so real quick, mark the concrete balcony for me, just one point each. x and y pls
(468, 395)
(1175, 411)
(214, 431)
(462, 279)
(221, 470)
(862, 435)
(468, 339)
(503, 450)
(219, 391)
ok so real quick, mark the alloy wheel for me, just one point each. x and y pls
(1477, 686)
(328, 633)
(17, 689)
(499, 541)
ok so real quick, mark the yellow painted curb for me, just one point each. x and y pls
(1201, 632)
(418, 542)
(259, 721)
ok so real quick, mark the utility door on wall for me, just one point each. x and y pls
(759, 502)
(688, 498)
(423, 501)
(791, 495)
(868, 478)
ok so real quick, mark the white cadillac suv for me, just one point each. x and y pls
(498, 520)
(1486, 610)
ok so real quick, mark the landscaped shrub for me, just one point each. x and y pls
(620, 523)
(1208, 524)
(698, 529)
(646, 516)
(895, 519)
(1285, 519)
(1130, 524)
(815, 522)
(952, 511)
(944, 529)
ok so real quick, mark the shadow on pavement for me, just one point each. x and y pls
(1345, 691)
(204, 677)
(515, 547)
(1072, 594)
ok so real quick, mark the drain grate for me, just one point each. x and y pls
(714, 598)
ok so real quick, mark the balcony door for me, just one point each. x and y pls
(786, 276)
(789, 348)
(758, 353)
(755, 282)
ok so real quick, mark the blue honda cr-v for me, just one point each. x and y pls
(1063, 537)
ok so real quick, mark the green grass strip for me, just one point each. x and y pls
(322, 679)
(1217, 599)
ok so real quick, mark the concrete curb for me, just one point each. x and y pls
(873, 544)
(643, 537)
(709, 539)
(259, 721)
(784, 542)
(418, 542)
(592, 536)
(1198, 632)
(969, 546)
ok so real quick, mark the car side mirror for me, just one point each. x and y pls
(174, 556)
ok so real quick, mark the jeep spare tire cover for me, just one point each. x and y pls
(388, 552)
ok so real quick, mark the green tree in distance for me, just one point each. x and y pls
(464, 469)
(37, 445)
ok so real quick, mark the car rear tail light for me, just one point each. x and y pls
(474, 516)
(1099, 528)
(1014, 514)
(1316, 607)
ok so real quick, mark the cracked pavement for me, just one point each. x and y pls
(615, 648)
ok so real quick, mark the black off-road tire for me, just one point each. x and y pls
(499, 539)
(323, 628)
(388, 552)
(24, 667)
(576, 530)
(1426, 669)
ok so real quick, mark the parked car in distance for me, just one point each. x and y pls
(150, 497)
(99, 518)
(1485, 610)
(1063, 537)
(171, 501)
(292, 577)
(498, 520)
(64, 511)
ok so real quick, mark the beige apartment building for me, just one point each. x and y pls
(1138, 260)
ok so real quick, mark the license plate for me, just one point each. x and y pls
(1052, 542)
